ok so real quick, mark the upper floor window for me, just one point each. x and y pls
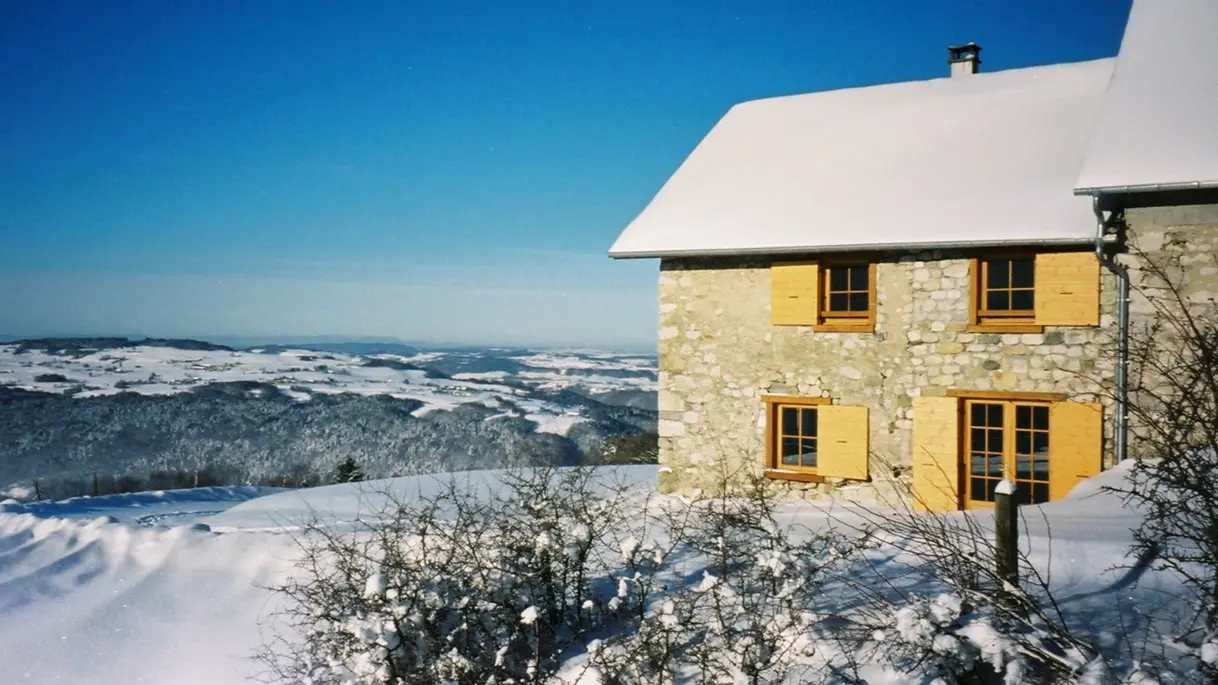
(1006, 290)
(847, 296)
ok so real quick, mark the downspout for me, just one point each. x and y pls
(1121, 427)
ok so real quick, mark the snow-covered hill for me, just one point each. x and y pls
(438, 379)
(72, 408)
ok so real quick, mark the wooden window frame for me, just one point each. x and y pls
(1011, 402)
(983, 321)
(772, 468)
(845, 322)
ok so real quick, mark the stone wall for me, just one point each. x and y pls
(719, 355)
(1183, 240)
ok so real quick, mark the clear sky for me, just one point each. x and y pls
(445, 171)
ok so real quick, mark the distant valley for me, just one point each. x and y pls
(81, 414)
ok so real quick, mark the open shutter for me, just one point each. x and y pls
(842, 442)
(1076, 445)
(1067, 289)
(936, 453)
(793, 296)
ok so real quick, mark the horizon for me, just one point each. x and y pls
(452, 172)
(248, 343)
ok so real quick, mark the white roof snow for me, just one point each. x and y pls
(989, 158)
(1159, 123)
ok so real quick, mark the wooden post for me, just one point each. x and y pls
(1006, 532)
(37, 492)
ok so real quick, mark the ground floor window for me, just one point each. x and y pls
(964, 444)
(1006, 439)
(793, 433)
(810, 439)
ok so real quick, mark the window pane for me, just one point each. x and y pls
(1023, 417)
(1040, 493)
(1040, 418)
(839, 302)
(839, 279)
(790, 451)
(977, 490)
(976, 464)
(977, 441)
(998, 300)
(1023, 299)
(1023, 442)
(995, 461)
(1023, 494)
(995, 411)
(978, 415)
(1040, 444)
(858, 302)
(993, 441)
(1022, 273)
(859, 277)
(998, 273)
(790, 421)
(808, 452)
(1023, 467)
(1040, 469)
(809, 423)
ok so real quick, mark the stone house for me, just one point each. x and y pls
(920, 288)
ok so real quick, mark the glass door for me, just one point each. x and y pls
(1006, 439)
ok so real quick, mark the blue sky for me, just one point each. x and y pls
(445, 171)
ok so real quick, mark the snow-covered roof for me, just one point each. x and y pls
(989, 158)
(1158, 124)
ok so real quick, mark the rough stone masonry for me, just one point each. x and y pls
(719, 354)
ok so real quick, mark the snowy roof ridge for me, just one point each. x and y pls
(987, 159)
(1156, 127)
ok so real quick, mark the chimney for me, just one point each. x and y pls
(963, 59)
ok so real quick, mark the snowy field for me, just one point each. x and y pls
(168, 587)
(302, 374)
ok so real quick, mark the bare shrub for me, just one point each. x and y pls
(954, 615)
(557, 573)
(747, 616)
(463, 585)
(1173, 409)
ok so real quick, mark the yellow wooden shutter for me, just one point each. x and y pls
(842, 441)
(793, 294)
(1076, 444)
(936, 453)
(1067, 289)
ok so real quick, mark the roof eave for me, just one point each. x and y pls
(1147, 188)
(874, 247)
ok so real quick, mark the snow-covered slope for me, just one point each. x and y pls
(93, 591)
(302, 373)
(75, 408)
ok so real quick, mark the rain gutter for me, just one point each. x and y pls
(1146, 188)
(1121, 429)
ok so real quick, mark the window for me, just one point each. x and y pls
(809, 438)
(1006, 290)
(963, 444)
(847, 297)
(1006, 439)
(796, 436)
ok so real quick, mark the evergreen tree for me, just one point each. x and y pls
(348, 472)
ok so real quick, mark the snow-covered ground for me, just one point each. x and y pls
(302, 374)
(168, 587)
